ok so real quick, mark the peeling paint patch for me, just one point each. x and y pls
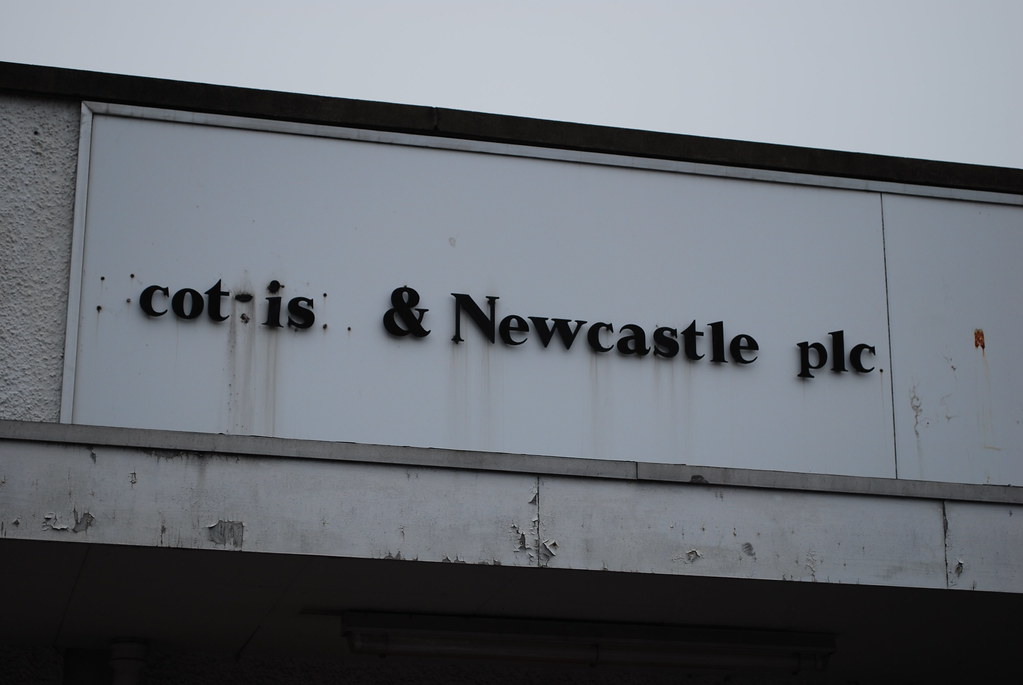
(226, 533)
(51, 522)
(518, 539)
(693, 554)
(456, 560)
(547, 550)
(747, 549)
(82, 523)
(811, 564)
(394, 557)
(959, 567)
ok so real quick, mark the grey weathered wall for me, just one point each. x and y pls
(39, 149)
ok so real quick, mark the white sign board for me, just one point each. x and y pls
(281, 283)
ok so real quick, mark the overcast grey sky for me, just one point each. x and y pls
(936, 79)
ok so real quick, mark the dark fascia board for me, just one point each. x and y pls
(314, 109)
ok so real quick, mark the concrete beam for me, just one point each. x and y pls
(156, 496)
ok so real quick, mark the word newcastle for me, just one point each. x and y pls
(404, 318)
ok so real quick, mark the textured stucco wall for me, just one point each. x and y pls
(38, 156)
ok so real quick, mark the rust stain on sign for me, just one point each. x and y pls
(978, 338)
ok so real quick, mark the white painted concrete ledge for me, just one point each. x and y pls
(182, 490)
(502, 462)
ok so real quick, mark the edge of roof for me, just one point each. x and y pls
(55, 82)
